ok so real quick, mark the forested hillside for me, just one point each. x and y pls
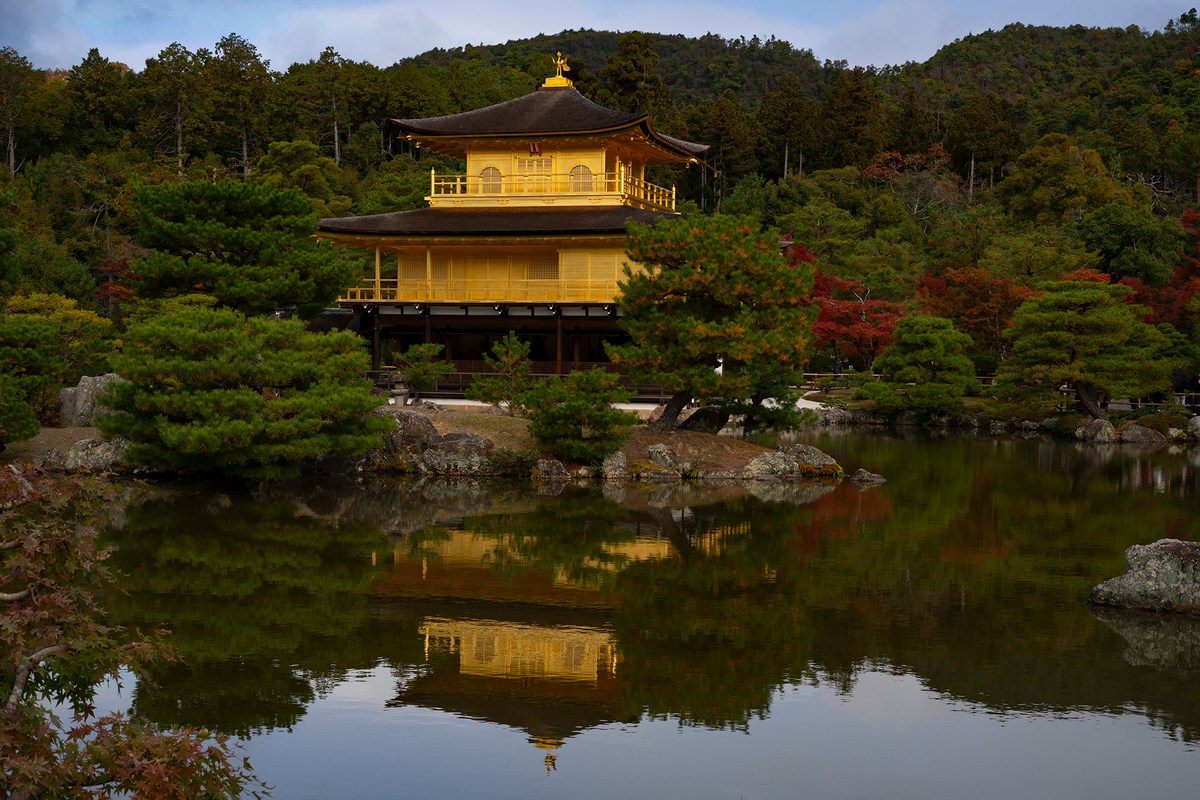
(952, 187)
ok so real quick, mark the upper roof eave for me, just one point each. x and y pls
(546, 113)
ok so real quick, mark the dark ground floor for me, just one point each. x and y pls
(561, 338)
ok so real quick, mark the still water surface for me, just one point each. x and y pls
(927, 638)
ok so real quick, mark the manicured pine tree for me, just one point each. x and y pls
(214, 391)
(1081, 333)
(927, 368)
(711, 292)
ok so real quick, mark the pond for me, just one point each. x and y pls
(927, 638)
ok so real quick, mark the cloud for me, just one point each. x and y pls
(42, 32)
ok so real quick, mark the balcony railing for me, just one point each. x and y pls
(632, 190)
(488, 290)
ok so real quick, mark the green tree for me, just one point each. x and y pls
(55, 650)
(215, 391)
(16, 86)
(300, 165)
(574, 416)
(787, 117)
(81, 337)
(421, 367)
(1133, 242)
(709, 292)
(509, 358)
(100, 94)
(241, 80)
(632, 75)
(1082, 334)
(17, 420)
(927, 368)
(177, 102)
(247, 244)
(1057, 180)
(982, 134)
(47, 342)
(852, 116)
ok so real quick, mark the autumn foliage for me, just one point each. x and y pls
(54, 651)
(854, 325)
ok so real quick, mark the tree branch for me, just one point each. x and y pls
(25, 668)
(14, 596)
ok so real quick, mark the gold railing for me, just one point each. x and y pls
(486, 290)
(632, 189)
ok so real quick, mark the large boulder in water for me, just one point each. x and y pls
(1163, 576)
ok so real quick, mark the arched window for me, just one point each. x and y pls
(491, 180)
(581, 179)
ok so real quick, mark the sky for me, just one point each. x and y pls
(59, 33)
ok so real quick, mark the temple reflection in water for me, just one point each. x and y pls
(513, 645)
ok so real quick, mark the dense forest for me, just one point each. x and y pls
(951, 188)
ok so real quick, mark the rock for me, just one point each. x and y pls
(863, 478)
(1193, 427)
(97, 455)
(775, 466)
(614, 467)
(834, 416)
(1163, 576)
(403, 447)
(549, 470)
(666, 458)
(456, 454)
(1161, 641)
(997, 427)
(1098, 431)
(709, 419)
(78, 403)
(1132, 433)
(814, 462)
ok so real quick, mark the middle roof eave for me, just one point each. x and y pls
(492, 222)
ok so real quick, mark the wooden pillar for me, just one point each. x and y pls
(575, 350)
(558, 345)
(374, 314)
(378, 257)
(428, 328)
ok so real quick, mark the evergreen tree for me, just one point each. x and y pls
(16, 86)
(1133, 242)
(248, 245)
(575, 416)
(927, 367)
(1082, 334)
(215, 391)
(505, 390)
(711, 292)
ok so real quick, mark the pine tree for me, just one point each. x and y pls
(1081, 333)
(248, 245)
(212, 390)
(713, 299)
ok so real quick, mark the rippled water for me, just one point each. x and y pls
(927, 638)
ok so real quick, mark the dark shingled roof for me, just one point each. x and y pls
(492, 222)
(546, 111)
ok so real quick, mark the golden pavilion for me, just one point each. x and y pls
(530, 238)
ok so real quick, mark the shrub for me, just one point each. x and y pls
(574, 416)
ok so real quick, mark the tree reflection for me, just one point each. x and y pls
(260, 600)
